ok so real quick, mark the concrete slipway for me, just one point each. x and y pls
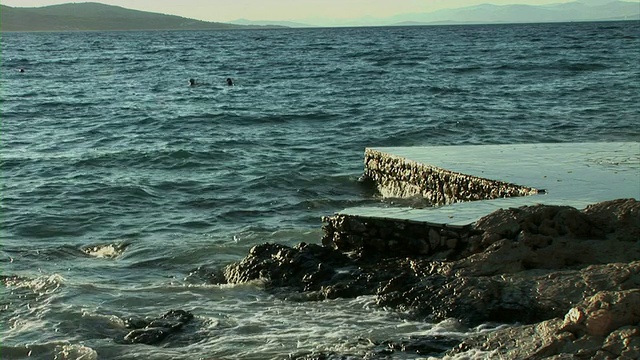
(573, 174)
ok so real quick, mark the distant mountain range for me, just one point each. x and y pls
(581, 10)
(95, 16)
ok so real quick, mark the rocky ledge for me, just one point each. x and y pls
(567, 280)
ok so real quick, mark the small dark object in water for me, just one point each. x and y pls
(229, 82)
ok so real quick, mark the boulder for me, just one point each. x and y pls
(604, 326)
(604, 312)
(154, 331)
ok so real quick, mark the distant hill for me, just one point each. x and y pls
(584, 10)
(579, 10)
(269, 23)
(95, 16)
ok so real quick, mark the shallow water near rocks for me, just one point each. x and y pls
(120, 181)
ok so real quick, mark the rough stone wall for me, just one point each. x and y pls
(391, 237)
(398, 177)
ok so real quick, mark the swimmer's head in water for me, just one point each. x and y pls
(229, 82)
(192, 82)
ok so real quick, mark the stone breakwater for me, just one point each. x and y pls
(399, 177)
(392, 237)
(569, 279)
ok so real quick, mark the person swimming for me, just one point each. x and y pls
(192, 82)
(229, 82)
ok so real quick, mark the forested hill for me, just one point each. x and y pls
(95, 16)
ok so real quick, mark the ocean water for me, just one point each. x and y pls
(120, 184)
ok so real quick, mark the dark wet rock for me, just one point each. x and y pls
(519, 265)
(305, 267)
(419, 345)
(154, 331)
(206, 275)
(531, 265)
(619, 219)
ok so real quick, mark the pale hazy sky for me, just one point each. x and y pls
(228, 10)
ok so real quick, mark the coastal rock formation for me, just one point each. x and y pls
(391, 237)
(603, 326)
(572, 277)
(533, 227)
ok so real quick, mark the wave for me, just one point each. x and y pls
(466, 69)
(579, 67)
(178, 158)
(109, 251)
(56, 350)
(41, 285)
(446, 90)
(558, 66)
(41, 225)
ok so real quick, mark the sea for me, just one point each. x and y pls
(121, 184)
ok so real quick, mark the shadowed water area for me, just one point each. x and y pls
(121, 185)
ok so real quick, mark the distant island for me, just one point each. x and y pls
(487, 13)
(99, 17)
(91, 16)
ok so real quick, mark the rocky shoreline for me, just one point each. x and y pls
(567, 280)
(564, 283)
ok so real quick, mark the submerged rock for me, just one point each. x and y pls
(154, 331)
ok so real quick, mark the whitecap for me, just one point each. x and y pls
(108, 251)
(46, 284)
(75, 352)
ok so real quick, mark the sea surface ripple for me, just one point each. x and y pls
(121, 184)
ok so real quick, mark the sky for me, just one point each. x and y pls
(229, 10)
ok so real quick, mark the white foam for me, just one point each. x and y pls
(75, 352)
(108, 251)
(41, 285)
(473, 354)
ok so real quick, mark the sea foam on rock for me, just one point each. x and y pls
(571, 277)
